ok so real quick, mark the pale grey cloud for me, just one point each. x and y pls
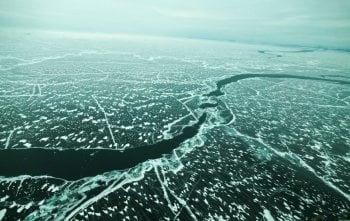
(300, 22)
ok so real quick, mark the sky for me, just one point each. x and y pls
(316, 23)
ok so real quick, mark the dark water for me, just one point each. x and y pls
(220, 84)
(74, 164)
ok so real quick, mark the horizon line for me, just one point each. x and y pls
(85, 34)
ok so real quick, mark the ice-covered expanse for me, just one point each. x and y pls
(144, 128)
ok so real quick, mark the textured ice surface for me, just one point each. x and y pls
(274, 144)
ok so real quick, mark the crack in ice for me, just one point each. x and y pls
(107, 122)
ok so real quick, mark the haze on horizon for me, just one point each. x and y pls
(314, 23)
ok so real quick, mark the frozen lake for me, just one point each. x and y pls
(112, 127)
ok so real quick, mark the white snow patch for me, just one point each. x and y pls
(347, 159)
(268, 216)
(44, 139)
(2, 214)
(4, 198)
(28, 145)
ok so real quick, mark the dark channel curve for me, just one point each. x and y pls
(221, 83)
(73, 164)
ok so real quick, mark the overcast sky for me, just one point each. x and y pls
(323, 23)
